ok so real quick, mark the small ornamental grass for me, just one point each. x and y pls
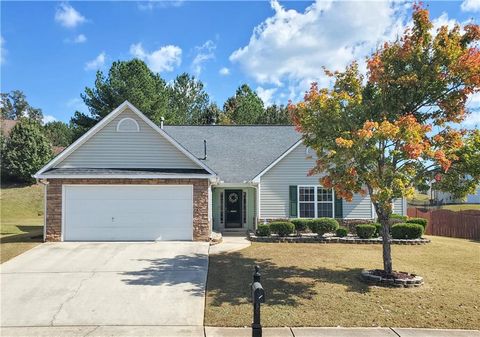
(365, 231)
(341, 232)
(263, 230)
(282, 228)
(323, 225)
(419, 221)
(407, 231)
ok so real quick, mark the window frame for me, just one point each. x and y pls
(315, 199)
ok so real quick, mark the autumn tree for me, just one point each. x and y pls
(463, 176)
(383, 134)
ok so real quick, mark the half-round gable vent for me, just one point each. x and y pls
(128, 125)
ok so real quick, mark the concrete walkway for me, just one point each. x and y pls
(199, 331)
(230, 244)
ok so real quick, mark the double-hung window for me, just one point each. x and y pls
(315, 202)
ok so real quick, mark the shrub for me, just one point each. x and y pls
(398, 216)
(365, 231)
(301, 225)
(263, 230)
(378, 229)
(323, 225)
(418, 221)
(407, 231)
(282, 228)
(341, 232)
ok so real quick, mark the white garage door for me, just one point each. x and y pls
(127, 212)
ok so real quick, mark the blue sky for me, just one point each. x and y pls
(51, 50)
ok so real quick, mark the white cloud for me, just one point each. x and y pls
(164, 59)
(204, 53)
(68, 16)
(224, 71)
(76, 104)
(3, 51)
(152, 4)
(80, 38)
(97, 62)
(290, 47)
(48, 118)
(266, 95)
(470, 6)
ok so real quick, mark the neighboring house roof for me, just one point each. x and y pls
(236, 153)
(7, 126)
(57, 149)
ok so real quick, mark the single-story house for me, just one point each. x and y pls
(128, 179)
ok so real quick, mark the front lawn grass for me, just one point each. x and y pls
(319, 285)
(21, 225)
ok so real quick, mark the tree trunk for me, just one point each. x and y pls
(384, 219)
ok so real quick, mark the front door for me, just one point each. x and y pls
(233, 208)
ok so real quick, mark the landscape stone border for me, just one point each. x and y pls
(371, 279)
(316, 239)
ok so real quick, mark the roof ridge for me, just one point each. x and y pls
(223, 125)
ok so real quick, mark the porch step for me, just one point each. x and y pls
(234, 232)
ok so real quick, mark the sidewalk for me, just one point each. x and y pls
(199, 331)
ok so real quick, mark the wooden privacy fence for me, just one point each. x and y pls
(463, 224)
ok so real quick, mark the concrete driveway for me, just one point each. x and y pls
(97, 284)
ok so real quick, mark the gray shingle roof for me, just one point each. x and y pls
(236, 153)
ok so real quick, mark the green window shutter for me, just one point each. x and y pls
(339, 208)
(293, 201)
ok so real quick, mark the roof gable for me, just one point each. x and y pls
(125, 139)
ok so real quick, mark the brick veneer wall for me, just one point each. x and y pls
(201, 225)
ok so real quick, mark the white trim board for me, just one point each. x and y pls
(65, 153)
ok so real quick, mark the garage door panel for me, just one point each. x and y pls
(128, 212)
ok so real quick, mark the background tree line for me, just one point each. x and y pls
(30, 143)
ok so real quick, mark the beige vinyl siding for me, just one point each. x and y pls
(359, 208)
(111, 149)
(293, 170)
(398, 207)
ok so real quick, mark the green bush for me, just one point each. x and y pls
(378, 229)
(365, 231)
(341, 232)
(282, 228)
(407, 231)
(418, 221)
(301, 225)
(398, 216)
(263, 230)
(323, 225)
